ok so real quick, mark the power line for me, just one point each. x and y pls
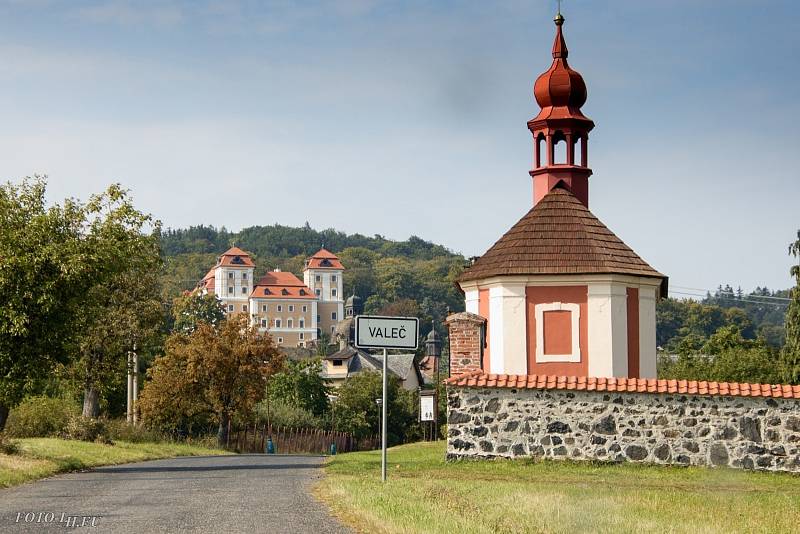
(720, 292)
(734, 299)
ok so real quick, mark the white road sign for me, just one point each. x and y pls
(426, 408)
(374, 332)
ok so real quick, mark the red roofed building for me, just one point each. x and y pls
(560, 292)
(323, 273)
(293, 312)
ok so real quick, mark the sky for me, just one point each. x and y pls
(409, 117)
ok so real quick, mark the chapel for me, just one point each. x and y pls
(560, 293)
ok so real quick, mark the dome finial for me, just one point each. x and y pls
(559, 18)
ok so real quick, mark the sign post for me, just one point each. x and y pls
(375, 332)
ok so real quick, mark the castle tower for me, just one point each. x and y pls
(323, 274)
(561, 294)
(231, 280)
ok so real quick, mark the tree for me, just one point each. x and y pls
(356, 411)
(193, 308)
(300, 384)
(122, 310)
(42, 276)
(219, 373)
(790, 354)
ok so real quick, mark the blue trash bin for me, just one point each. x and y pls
(270, 446)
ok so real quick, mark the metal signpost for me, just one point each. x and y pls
(375, 332)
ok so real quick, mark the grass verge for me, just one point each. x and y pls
(42, 457)
(426, 494)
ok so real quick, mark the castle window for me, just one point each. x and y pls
(289, 323)
(280, 308)
(280, 340)
(244, 291)
(333, 293)
(559, 148)
(244, 276)
(263, 323)
(337, 363)
(318, 278)
(267, 291)
(302, 324)
(305, 309)
(230, 276)
(264, 308)
(277, 323)
(244, 307)
(325, 263)
(302, 336)
(284, 291)
(302, 292)
(333, 278)
(318, 292)
(230, 307)
(230, 290)
(291, 307)
(333, 316)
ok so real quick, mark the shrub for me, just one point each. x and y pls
(286, 415)
(120, 430)
(7, 446)
(87, 429)
(41, 417)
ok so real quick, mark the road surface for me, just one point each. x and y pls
(241, 493)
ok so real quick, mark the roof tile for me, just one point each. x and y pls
(629, 385)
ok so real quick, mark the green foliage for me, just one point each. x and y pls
(356, 411)
(193, 308)
(278, 413)
(8, 446)
(725, 357)
(41, 417)
(300, 385)
(86, 429)
(43, 273)
(120, 430)
(790, 355)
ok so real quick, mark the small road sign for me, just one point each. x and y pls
(375, 332)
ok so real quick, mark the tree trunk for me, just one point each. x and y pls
(91, 402)
(4, 409)
(222, 432)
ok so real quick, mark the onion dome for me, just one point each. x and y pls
(560, 91)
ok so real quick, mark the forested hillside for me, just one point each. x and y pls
(411, 277)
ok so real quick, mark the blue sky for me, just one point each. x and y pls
(408, 117)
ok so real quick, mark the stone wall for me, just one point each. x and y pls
(745, 432)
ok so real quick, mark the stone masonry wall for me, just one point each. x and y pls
(744, 432)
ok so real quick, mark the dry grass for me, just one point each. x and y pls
(426, 494)
(43, 457)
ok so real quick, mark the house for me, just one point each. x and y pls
(340, 366)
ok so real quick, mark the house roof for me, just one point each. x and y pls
(281, 285)
(559, 235)
(235, 257)
(400, 365)
(324, 259)
(624, 385)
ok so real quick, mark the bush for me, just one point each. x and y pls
(286, 415)
(7, 446)
(38, 417)
(87, 429)
(120, 430)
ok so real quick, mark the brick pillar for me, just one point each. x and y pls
(465, 342)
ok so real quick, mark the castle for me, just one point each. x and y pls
(295, 313)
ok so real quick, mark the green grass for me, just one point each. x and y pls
(426, 494)
(42, 457)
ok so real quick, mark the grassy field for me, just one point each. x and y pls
(425, 494)
(42, 457)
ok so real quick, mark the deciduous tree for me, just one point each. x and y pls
(791, 350)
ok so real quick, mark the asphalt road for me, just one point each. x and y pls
(225, 494)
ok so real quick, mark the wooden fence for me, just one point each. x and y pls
(253, 439)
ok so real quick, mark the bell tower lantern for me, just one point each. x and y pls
(560, 130)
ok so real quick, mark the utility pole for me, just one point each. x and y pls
(135, 408)
(129, 404)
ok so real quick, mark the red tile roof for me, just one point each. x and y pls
(324, 259)
(624, 385)
(228, 258)
(281, 285)
(559, 235)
